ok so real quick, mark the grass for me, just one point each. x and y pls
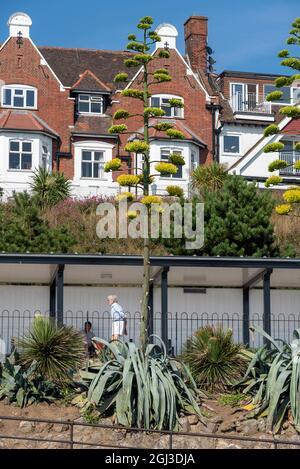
(232, 399)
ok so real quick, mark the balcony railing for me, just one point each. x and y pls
(290, 157)
(250, 102)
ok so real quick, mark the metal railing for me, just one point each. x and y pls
(181, 325)
(250, 102)
(71, 442)
(290, 157)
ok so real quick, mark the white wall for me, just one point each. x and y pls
(187, 312)
(15, 180)
(249, 135)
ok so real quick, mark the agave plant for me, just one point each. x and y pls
(216, 362)
(57, 351)
(144, 390)
(25, 387)
(273, 378)
(50, 187)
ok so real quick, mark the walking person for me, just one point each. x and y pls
(118, 318)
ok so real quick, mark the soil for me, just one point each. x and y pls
(223, 421)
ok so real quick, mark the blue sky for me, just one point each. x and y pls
(244, 35)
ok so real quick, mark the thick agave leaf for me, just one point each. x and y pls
(267, 336)
(277, 391)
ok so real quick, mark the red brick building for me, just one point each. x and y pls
(57, 105)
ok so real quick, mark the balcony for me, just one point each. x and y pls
(251, 106)
(290, 157)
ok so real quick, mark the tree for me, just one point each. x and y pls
(26, 231)
(50, 187)
(150, 77)
(292, 195)
(237, 222)
(208, 178)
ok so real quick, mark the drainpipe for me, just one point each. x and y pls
(215, 132)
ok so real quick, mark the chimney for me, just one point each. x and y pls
(195, 34)
(19, 25)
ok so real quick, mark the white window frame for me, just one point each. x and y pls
(92, 162)
(24, 89)
(283, 103)
(180, 110)
(20, 152)
(245, 91)
(163, 160)
(195, 164)
(223, 144)
(45, 156)
(92, 98)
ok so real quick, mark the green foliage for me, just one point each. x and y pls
(176, 159)
(173, 133)
(297, 147)
(164, 54)
(283, 81)
(143, 390)
(131, 63)
(215, 361)
(118, 129)
(131, 37)
(162, 77)
(25, 386)
(271, 130)
(163, 126)
(121, 114)
(132, 93)
(233, 399)
(238, 221)
(274, 96)
(154, 36)
(208, 178)
(276, 165)
(176, 103)
(24, 230)
(273, 181)
(57, 352)
(50, 187)
(137, 147)
(292, 40)
(175, 191)
(146, 20)
(121, 77)
(291, 62)
(273, 379)
(112, 165)
(290, 111)
(136, 46)
(154, 112)
(283, 53)
(143, 58)
(272, 147)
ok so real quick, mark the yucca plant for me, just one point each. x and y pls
(143, 390)
(208, 178)
(273, 378)
(215, 361)
(58, 352)
(50, 187)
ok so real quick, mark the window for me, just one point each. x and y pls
(231, 144)
(286, 98)
(45, 153)
(162, 102)
(20, 155)
(290, 156)
(90, 104)
(92, 165)
(19, 96)
(194, 160)
(165, 153)
(296, 95)
(243, 97)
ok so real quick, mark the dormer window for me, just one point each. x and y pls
(90, 104)
(19, 96)
(162, 101)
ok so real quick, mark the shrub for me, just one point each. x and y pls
(57, 352)
(174, 191)
(50, 187)
(215, 361)
(144, 390)
(273, 380)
